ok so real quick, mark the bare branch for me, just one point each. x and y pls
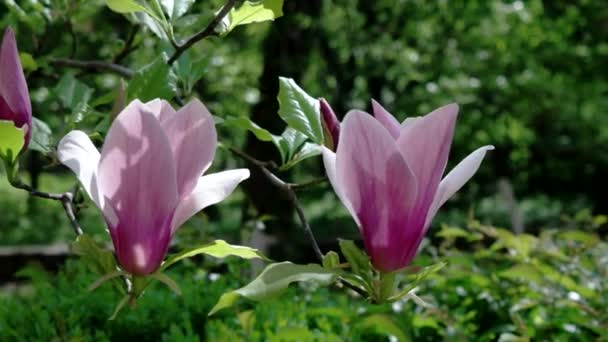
(93, 66)
(65, 199)
(207, 32)
(291, 195)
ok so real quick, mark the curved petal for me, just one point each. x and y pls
(425, 144)
(77, 152)
(386, 119)
(193, 139)
(13, 88)
(454, 180)
(329, 160)
(137, 177)
(160, 108)
(331, 125)
(209, 190)
(380, 187)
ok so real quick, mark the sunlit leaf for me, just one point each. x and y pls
(300, 110)
(217, 249)
(152, 81)
(12, 139)
(273, 281)
(251, 12)
(245, 123)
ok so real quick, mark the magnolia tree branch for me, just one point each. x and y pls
(65, 199)
(206, 32)
(290, 190)
(93, 66)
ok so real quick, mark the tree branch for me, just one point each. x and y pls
(207, 32)
(93, 66)
(288, 188)
(65, 199)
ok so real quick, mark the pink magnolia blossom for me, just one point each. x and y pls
(148, 179)
(15, 103)
(331, 125)
(389, 177)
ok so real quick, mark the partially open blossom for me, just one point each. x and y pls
(388, 176)
(15, 103)
(331, 125)
(148, 179)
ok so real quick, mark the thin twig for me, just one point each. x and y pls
(300, 186)
(291, 194)
(65, 199)
(289, 189)
(128, 47)
(207, 32)
(93, 66)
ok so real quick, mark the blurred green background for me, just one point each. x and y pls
(530, 78)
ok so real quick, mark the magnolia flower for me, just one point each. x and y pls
(331, 125)
(148, 179)
(15, 103)
(388, 176)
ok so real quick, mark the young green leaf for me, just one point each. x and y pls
(12, 139)
(358, 260)
(176, 8)
(331, 260)
(41, 139)
(300, 110)
(245, 123)
(416, 279)
(98, 260)
(251, 12)
(125, 6)
(72, 92)
(152, 81)
(289, 143)
(216, 249)
(273, 281)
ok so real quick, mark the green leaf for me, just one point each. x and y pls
(331, 260)
(289, 143)
(189, 69)
(41, 137)
(176, 8)
(129, 6)
(306, 151)
(522, 272)
(217, 249)
(27, 62)
(416, 279)
(12, 139)
(71, 92)
(152, 81)
(245, 123)
(300, 110)
(382, 324)
(250, 12)
(359, 261)
(98, 260)
(274, 280)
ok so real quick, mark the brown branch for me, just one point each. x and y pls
(93, 66)
(65, 199)
(290, 190)
(128, 47)
(207, 32)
